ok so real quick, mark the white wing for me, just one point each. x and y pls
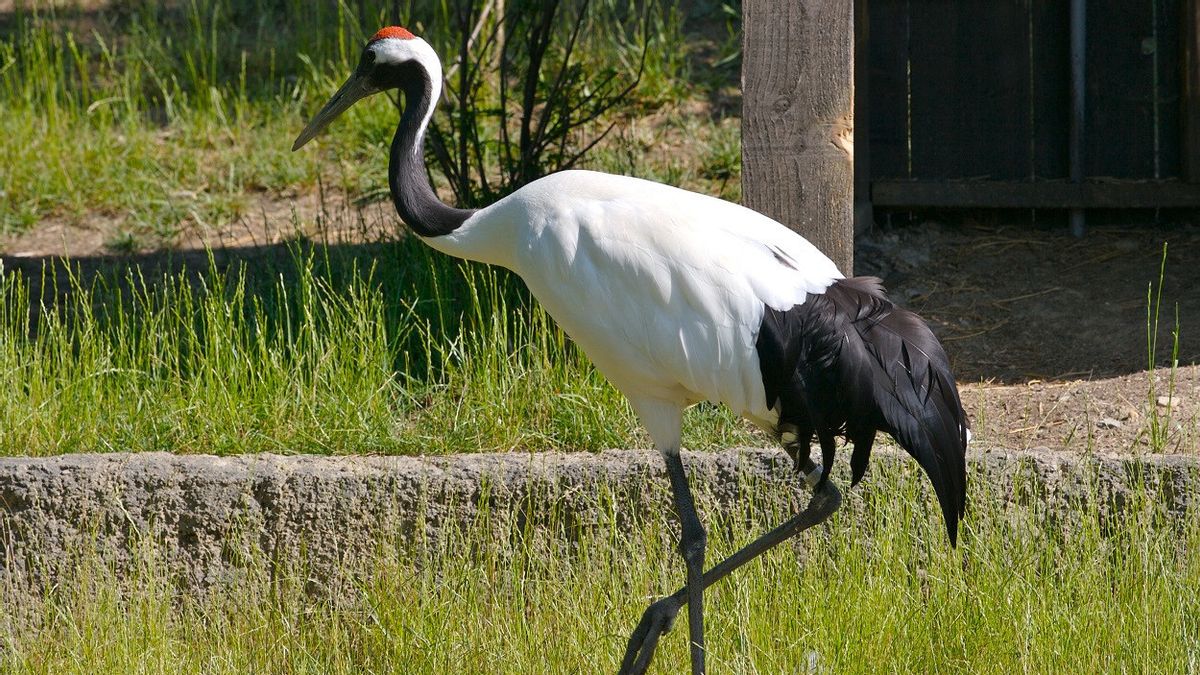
(663, 288)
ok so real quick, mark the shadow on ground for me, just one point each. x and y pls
(1011, 304)
(1014, 304)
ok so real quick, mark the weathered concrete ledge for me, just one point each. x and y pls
(332, 509)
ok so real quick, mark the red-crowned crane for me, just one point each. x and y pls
(679, 297)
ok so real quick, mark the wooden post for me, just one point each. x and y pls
(798, 119)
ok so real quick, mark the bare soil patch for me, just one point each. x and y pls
(1049, 331)
(1107, 415)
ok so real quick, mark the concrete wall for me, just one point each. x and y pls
(204, 514)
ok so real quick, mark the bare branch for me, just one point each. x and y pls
(528, 105)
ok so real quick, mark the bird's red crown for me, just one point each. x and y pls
(392, 32)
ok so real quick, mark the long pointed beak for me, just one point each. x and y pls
(355, 88)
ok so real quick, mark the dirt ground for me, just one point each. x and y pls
(1046, 332)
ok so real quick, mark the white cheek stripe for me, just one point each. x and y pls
(395, 51)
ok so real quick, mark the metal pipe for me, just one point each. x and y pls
(1078, 121)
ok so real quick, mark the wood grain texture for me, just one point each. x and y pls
(1190, 110)
(969, 62)
(1027, 195)
(864, 214)
(798, 119)
(888, 100)
(1119, 110)
(1050, 89)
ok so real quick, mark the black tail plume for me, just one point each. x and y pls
(850, 362)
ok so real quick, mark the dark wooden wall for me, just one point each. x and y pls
(969, 103)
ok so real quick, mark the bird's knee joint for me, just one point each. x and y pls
(693, 545)
(664, 612)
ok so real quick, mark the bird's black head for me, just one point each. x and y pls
(392, 59)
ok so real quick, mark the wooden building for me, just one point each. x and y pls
(1046, 104)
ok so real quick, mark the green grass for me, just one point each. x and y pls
(390, 348)
(876, 590)
(168, 117)
(159, 116)
(176, 116)
(159, 119)
(1157, 429)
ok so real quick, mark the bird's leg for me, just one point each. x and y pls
(658, 618)
(691, 547)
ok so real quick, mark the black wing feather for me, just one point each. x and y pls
(850, 362)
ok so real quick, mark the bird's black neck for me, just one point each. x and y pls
(412, 194)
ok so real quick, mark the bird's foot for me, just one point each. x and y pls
(824, 501)
(810, 470)
(656, 621)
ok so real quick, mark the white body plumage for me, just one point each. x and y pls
(664, 289)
